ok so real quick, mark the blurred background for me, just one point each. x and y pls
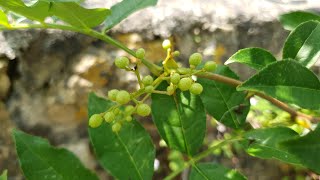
(46, 75)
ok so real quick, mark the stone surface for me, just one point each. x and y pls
(45, 76)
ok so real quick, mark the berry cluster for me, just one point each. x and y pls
(177, 77)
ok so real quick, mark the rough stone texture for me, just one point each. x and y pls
(45, 75)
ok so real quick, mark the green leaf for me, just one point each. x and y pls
(75, 15)
(39, 160)
(293, 19)
(256, 58)
(306, 149)
(4, 19)
(69, 12)
(224, 102)
(127, 155)
(212, 171)
(264, 143)
(123, 9)
(303, 44)
(3, 176)
(287, 81)
(180, 119)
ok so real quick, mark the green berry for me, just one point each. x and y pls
(140, 53)
(116, 111)
(147, 80)
(170, 90)
(116, 127)
(185, 84)
(109, 117)
(112, 94)
(129, 109)
(196, 88)
(175, 78)
(95, 120)
(184, 70)
(210, 66)
(143, 109)
(122, 62)
(128, 118)
(149, 89)
(195, 59)
(166, 44)
(123, 97)
(176, 53)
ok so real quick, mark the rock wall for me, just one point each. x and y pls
(45, 75)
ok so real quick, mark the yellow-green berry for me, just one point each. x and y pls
(122, 62)
(116, 127)
(184, 70)
(170, 90)
(129, 109)
(140, 53)
(116, 111)
(123, 97)
(143, 109)
(166, 44)
(149, 89)
(128, 118)
(195, 59)
(196, 88)
(109, 117)
(210, 66)
(185, 84)
(175, 78)
(147, 80)
(112, 94)
(95, 120)
(176, 53)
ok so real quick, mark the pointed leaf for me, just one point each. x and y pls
(224, 102)
(127, 155)
(180, 119)
(287, 81)
(265, 143)
(256, 58)
(303, 45)
(293, 19)
(3, 176)
(39, 160)
(306, 149)
(124, 8)
(212, 171)
(4, 19)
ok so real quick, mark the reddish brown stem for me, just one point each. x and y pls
(280, 104)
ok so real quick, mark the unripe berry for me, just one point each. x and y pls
(143, 109)
(196, 88)
(128, 118)
(184, 70)
(95, 120)
(129, 109)
(170, 90)
(210, 66)
(176, 53)
(109, 117)
(112, 94)
(147, 80)
(116, 111)
(122, 62)
(175, 78)
(195, 59)
(166, 44)
(149, 89)
(140, 53)
(185, 84)
(123, 97)
(116, 127)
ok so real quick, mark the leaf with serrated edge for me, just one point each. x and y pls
(287, 81)
(130, 149)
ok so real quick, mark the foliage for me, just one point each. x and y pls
(179, 101)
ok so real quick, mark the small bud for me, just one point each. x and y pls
(112, 94)
(147, 80)
(116, 127)
(196, 88)
(123, 97)
(166, 44)
(149, 89)
(122, 62)
(109, 117)
(210, 66)
(185, 84)
(175, 78)
(143, 109)
(140, 53)
(95, 120)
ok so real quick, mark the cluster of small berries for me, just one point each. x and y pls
(178, 78)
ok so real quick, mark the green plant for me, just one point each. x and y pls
(179, 102)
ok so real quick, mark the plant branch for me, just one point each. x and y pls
(200, 156)
(280, 104)
(155, 69)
